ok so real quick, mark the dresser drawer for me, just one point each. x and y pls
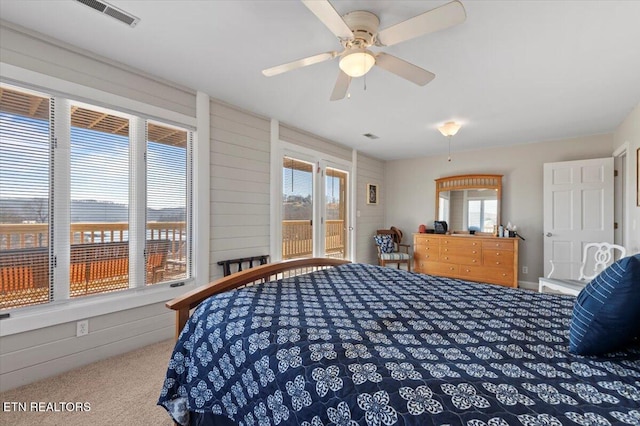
(498, 245)
(423, 255)
(488, 275)
(471, 272)
(439, 268)
(497, 258)
(420, 240)
(419, 248)
(464, 257)
(460, 242)
(500, 276)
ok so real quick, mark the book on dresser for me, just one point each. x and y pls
(479, 258)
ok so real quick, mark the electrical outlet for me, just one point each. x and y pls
(525, 270)
(82, 328)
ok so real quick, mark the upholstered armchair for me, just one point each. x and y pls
(390, 247)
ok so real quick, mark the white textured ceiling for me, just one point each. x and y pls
(513, 72)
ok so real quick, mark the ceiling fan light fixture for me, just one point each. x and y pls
(357, 62)
(449, 128)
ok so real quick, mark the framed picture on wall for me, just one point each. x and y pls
(372, 193)
(638, 177)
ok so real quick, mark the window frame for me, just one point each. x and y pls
(63, 309)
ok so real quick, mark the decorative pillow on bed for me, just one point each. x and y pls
(606, 315)
(385, 242)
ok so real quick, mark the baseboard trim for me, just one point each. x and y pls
(528, 285)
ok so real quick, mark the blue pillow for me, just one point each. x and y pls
(385, 242)
(606, 315)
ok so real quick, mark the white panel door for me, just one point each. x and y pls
(578, 209)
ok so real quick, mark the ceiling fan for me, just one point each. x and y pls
(358, 30)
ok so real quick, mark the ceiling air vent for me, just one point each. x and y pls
(114, 12)
(371, 136)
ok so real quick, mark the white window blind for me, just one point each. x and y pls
(24, 198)
(99, 209)
(119, 221)
(167, 245)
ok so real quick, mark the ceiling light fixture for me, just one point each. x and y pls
(449, 129)
(357, 63)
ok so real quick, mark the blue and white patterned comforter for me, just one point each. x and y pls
(365, 345)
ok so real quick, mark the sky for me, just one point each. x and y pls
(299, 183)
(99, 165)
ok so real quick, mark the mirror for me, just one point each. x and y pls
(469, 202)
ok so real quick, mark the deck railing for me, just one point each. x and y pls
(296, 242)
(24, 282)
(297, 238)
(27, 235)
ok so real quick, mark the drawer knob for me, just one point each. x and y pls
(497, 263)
(474, 260)
(468, 270)
(474, 252)
(452, 268)
(446, 258)
(498, 254)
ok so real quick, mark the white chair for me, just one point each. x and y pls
(602, 255)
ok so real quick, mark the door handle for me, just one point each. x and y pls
(549, 234)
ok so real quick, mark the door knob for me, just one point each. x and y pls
(549, 234)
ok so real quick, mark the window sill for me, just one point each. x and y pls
(50, 314)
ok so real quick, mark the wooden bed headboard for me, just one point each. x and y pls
(183, 304)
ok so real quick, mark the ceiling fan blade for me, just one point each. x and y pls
(325, 12)
(404, 69)
(341, 87)
(299, 63)
(442, 17)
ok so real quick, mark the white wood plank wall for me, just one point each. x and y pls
(308, 140)
(30, 50)
(370, 170)
(33, 355)
(38, 354)
(239, 185)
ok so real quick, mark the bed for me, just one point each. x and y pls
(354, 344)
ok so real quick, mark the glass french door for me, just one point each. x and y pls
(314, 209)
(297, 208)
(335, 213)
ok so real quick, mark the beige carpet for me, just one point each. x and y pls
(121, 390)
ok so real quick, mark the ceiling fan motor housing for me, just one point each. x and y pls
(364, 26)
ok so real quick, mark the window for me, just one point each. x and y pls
(99, 171)
(482, 214)
(167, 195)
(88, 205)
(24, 198)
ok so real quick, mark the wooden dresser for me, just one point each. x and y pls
(470, 257)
